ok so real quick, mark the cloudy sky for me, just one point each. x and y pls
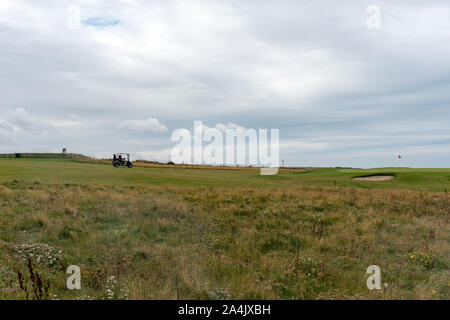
(102, 76)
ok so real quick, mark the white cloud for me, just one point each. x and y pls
(5, 126)
(151, 124)
(319, 76)
(19, 120)
(229, 125)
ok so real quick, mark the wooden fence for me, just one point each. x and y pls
(43, 156)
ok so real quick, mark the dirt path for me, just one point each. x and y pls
(374, 178)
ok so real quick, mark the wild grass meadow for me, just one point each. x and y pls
(167, 233)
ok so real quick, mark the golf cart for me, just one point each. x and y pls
(122, 160)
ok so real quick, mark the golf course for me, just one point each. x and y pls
(169, 232)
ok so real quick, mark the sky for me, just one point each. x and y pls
(98, 77)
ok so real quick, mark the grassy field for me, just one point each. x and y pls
(168, 233)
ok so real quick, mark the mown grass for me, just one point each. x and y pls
(65, 171)
(150, 233)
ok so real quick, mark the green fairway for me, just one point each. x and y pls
(66, 171)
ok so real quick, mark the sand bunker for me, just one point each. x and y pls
(374, 178)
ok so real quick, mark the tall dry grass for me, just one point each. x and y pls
(158, 242)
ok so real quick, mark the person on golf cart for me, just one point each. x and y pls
(120, 160)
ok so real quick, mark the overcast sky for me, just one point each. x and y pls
(99, 77)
